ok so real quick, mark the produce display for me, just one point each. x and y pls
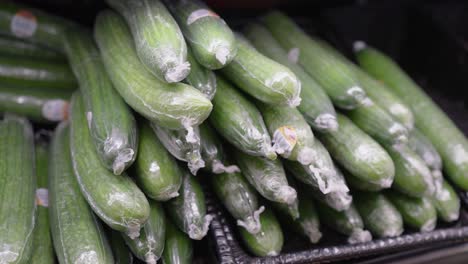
(162, 104)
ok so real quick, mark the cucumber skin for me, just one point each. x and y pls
(111, 122)
(201, 78)
(178, 247)
(358, 184)
(122, 254)
(240, 122)
(173, 106)
(18, 178)
(77, 233)
(15, 47)
(447, 203)
(155, 170)
(424, 148)
(127, 213)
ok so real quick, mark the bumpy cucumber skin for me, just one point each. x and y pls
(159, 42)
(155, 170)
(15, 47)
(17, 185)
(118, 202)
(178, 247)
(174, 106)
(212, 41)
(449, 141)
(201, 78)
(424, 148)
(122, 254)
(379, 215)
(240, 122)
(447, 203)
(149, 246)
(110, 120)
(268, 241)
(188, 210)
(77, 233)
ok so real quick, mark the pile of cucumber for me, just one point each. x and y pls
(161, 98)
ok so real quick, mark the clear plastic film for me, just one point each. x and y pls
(424, 148)
(447, 202)
(201, 78)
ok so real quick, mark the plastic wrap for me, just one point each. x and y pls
(201, 78)
(446, 202)
(175, 106)
(14, 47)
(159, 42)
(424, 148)
(178, 247)
(122, 254)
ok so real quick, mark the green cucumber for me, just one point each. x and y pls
(201, 78)
(447, 203)
(178, 247)
(77, 233)
(43, 249)
(213, 151)
(418, 213)
(159, 42)
(112, 125)
(315, 104)
(239, 121)
(292, 210)
(183, 145)
(379, 215)
(122, 254)
(358, 153)
(267, 177)
(449, 141)
(338, 80)
(424, 148)
(347, 222)
(188, 210)
(268, 241)
(39, 74)
(17, 186)
(155, 170)
(118, 202)
(358, 184)
(149, 245)
(212, 41)
(174, 106)
(239, 198)
(15, 47)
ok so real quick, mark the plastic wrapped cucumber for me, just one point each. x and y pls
(268, 241)
(188, 210)
(424, 148)
(117, 200)
(149, 245)
(201, 78)
(358, 184)
(239, 121)
(122, 254)
(292, 209)
(155, 170)
(210, 38)
(174, 106)
(446, 202)
(111, 122)
(77, 234)
(16, 47)
(178, 247)
(240, 199)
(379, 215)
(261, 77)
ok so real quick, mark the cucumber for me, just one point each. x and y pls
(39, 74)
(183, 145)
(424, 148)
(447, 203)
(77, 234)
(292, 210)
(178, 247)
(159, 42)
(412, 177)
(347, 222)
(239, 121)
(149, 245)
(201, 78)
(358, 153)
(118, 202)
(17, 186)
(122, 254)
(155, 170)
(40, 105)
(267, 242)
(15, 47)
(338, 80)
(449, 141)
(417, 213)
(379, 215)
(267, 177)
(188, 210)
(43, 249)
(315, 105)
(261, 77)
(210, 38)
(213, 151)
(358, 184)
(174, 106)
(112, 125)
(239, 198)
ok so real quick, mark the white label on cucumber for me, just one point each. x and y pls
(55, 110)
(293, 55)
(42, 197)
(23, 24)
(200, 13)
